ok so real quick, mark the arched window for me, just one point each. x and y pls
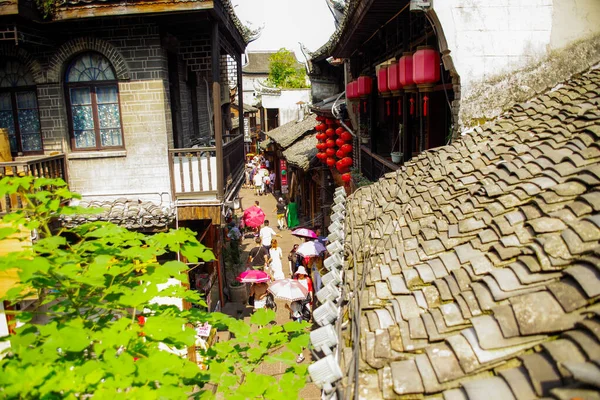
(19, 108)
(93, 103)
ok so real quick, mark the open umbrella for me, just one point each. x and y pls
(288, 289)
(253, 216)
(305, 233)
(310, 249)
(253, 276)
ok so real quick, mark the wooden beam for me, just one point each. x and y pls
(218, 123)
(120, 9)
(215, 54)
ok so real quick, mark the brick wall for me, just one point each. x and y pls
(137, 49)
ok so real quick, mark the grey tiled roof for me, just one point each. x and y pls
(325, 50)
(287, 134)
(258, 63)
(132, 214)
(481, 260)
(301, 153)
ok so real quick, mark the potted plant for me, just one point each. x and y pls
(232, 256)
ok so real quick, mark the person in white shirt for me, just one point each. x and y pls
(266, 234)
(258, 183)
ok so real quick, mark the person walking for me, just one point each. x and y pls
(259, 291)
(258, 183)
(305, 305)
(272, 181)
(257, 259)
(293, 260)
(292, 214)
(266, 234)
(266, 183)
(280, 209)
(275, 256)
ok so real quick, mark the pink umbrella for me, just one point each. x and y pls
(253, 276)
(305, 233)
(253, 216)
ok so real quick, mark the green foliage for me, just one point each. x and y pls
(84, 336)
(283, 71)
(358, 178)
(46, 7)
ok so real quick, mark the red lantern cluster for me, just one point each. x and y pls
(335, 145)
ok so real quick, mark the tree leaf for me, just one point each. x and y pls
(262, 317)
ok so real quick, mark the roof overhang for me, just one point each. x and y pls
(361, 24)
(122, 8)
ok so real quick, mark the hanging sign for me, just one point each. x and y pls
(283, 173)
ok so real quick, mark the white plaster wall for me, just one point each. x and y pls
(574, 19)
(486, 38)
(286, 103)
(250, 96)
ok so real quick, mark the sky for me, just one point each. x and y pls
(287, 22)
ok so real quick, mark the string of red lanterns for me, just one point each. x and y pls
(334, 145)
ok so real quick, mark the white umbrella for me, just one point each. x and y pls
(311, 249)
(288, 289)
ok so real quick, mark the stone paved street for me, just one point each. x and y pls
(286, 242)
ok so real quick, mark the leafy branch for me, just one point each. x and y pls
(96, 327)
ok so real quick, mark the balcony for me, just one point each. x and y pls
(38, 166)
(204, 174)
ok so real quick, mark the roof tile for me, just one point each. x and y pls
(520, 385)
(542, 373)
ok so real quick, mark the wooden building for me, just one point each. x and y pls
(129, 102)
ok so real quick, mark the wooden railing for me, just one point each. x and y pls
(233, 159)
(374, 166)
(42, 166)
(194, 171)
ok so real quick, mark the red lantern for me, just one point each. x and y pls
(339, 165)
(321, 127)
(321, 136)
(321, 155)
(339, 142)
(382, 81)
(320, 118)
(330, 161)
(330, 132)
(330, 121)
(347, 161)
(346, 148)
(330, 152)
(346, 136)
(394, 78)
(365, 84)
(319, 146)
(346, 177)
(406, 71)
(340, 153)
(339, 130)
(352, 90)
(330, 143)
(426, 67)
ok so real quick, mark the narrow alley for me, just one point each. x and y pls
(243, 311)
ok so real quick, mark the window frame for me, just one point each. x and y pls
(15, 113)
(92, 85)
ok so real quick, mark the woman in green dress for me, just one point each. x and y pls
(292, 214)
